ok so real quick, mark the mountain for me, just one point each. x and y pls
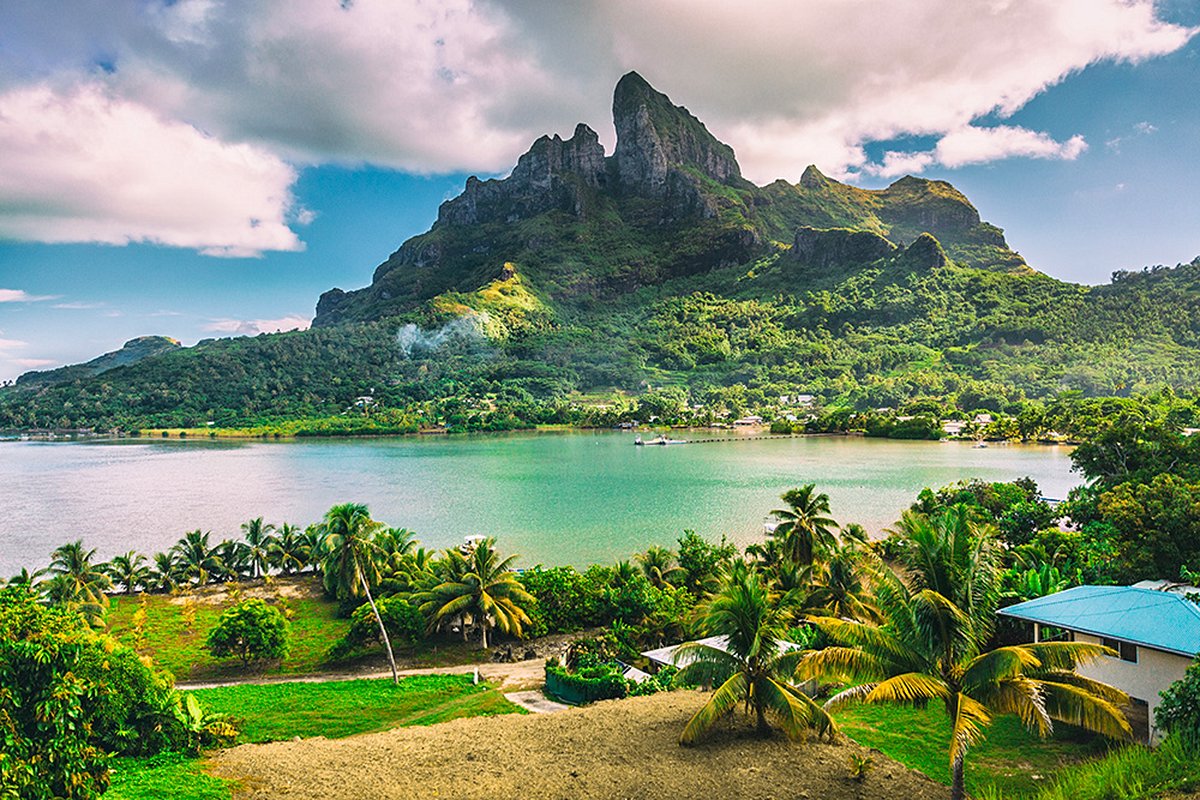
(585, 277)
(131, 352)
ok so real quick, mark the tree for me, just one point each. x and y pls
(839, 589)
(481, 586)
(1179, 711)
(933, 639)
(77, 582)
(1157, 525)
(804, 530)
(129, 571)
(658, 564)
(350, 565)
(252, 630)
(754, 670)
(164, 575)
(291, 551)
(259, 542)
(195, 558)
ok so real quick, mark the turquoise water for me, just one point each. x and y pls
(554, 498)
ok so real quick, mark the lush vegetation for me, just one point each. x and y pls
(250, 630)
(173, 775)
(272, 712)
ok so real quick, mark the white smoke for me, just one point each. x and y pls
(466, 333)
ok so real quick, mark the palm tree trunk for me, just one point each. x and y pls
(382, 630)
(483, 627)
(958, 784)
(764, 730)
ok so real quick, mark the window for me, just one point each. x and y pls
(1126, 651)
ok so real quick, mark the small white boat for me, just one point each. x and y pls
(663, 440)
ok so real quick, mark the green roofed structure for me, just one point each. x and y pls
(1153, 627)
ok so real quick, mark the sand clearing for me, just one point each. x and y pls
(615, 749)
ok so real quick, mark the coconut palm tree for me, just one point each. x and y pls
(350, 560)
(804, 530)
(195, 558)
(840, 586)
(482, 586)
(78, 583)
(164, 575)
(290, 551)
(129, 571)
(258, 545)
(754, 670)
(234, 559)
(658, 564)
(932, 644)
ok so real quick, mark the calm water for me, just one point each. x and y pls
(561, 498)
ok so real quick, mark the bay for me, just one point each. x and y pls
(554, 498)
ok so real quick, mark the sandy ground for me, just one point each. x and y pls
(615, 749)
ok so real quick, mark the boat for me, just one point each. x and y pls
(663, 440)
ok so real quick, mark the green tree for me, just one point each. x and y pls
(77, 582)
(482, 587)
(1157, 525)
(195, 558)
(259, 541)
(754, 670)
(252, 630)
(129, 571)
(350, 565)
(290, 552)
(805, 530)
(932, 645)
(658, 564)
(1179, 711)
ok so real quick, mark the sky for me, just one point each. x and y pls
(200, 168)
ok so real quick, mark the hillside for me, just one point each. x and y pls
(584, 276)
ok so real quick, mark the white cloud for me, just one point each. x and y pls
(33, 363)
(253, 327)
(12, 344)
(972, 145)
(78, 305)
(468, 84)
(78, 165)
(22, 296)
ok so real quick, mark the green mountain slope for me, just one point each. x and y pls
(659, 265)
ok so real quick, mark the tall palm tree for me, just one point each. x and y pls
(932, 644)
(129, 571)
(77, 582)
(804, 530)
(164, 575)
(754, 670)
(350, 560)
(195, 558)
(234, 559)
(258, 545)
(314, 542)
(483, 586)
(840, 586)
(658, 564)
(290, 551)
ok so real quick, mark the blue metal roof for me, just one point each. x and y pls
(1162, 620)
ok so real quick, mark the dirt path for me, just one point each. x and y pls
(615, 749)
(508, 677)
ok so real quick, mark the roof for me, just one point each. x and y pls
(665, 656)
(1160, 620)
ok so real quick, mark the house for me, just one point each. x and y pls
(983, 419)
(1153, 626)
(753, 419)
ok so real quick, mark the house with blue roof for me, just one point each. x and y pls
(1153, 627)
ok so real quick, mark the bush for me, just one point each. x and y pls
(567, 600)
(599, 682)
(133, 707)
(403, 621)
(250, 630)
(1179, 711)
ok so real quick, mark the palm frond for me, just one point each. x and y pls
(1077, 706)
(795, 712)
(970, 718)
(911, 687)
(723, 701)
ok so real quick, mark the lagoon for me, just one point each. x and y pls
(553, 497)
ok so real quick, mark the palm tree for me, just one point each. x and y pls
(314, 543)
(258, 545)
(164, 575)
(803, 530)
(754, 669)
(839, 589)
(129, 571)
(350, 560)
(195, 558)
(658, 563)
(234, 559)
(290, 551)
(483, 586)
(932, 645)
(77, 582)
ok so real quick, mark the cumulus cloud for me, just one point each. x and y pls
(974, 145)
(468, 84)
(79, 165)
(22, 296)
(253, 327)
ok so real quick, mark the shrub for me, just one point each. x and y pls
(132, 706)
(404, 622)
(1179, 711)
(250, 630)
(567, 600)
(599, 682)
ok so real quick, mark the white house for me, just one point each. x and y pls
(1153, 626)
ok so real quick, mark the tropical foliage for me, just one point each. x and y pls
(252, 630)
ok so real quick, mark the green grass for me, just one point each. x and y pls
(176, 628)
(344, 708)
(1005, 762)
(168, 775)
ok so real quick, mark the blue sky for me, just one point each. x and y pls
(199, 168)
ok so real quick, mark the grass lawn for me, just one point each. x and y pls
(176, 627)
(344, 708)
(1006, 761)
(169, 775)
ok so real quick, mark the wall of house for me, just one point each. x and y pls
(1153, 672)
